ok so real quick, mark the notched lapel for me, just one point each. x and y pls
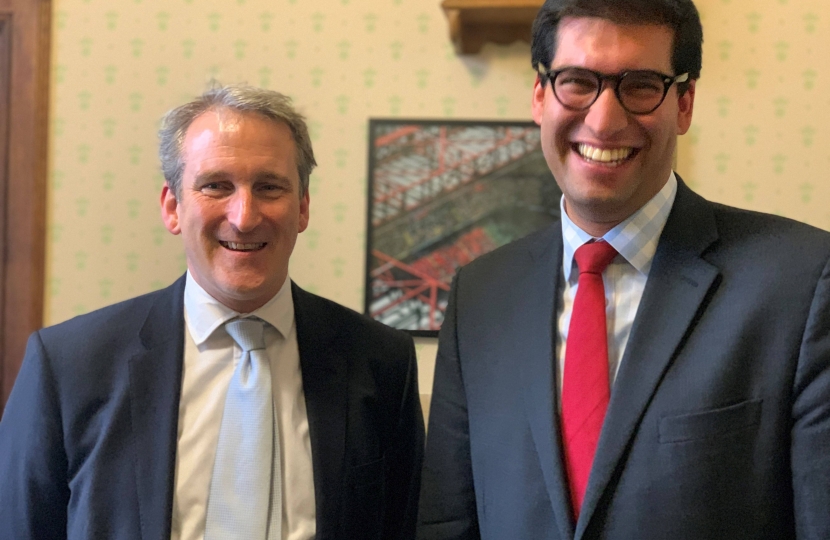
(537, 343)
(678, 284)
(324, 374)
(155, 390)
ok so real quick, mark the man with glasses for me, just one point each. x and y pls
(654, 366)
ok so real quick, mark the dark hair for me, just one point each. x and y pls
(241, 99)
(679, 15)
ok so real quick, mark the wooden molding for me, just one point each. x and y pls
(5, 75)
(473, 23)
(23, 171)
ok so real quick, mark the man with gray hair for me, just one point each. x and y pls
(231, 404)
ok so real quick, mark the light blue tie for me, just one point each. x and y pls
(245, 500)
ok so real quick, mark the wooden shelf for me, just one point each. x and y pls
(476, 22)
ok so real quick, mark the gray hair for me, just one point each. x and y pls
(240, 98)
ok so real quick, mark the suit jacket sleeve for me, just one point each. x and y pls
(810, 451)
(33, 492)
(448, 505)
(405, 458)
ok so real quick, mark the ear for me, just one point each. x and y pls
(170, 210)
(304, 201)
(538, 100)
(686, 104)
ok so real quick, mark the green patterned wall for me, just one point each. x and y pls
(119, 66)
(760, 136)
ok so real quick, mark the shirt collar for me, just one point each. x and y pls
(204, 313)
(635, 238)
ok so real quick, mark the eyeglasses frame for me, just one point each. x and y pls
(668, 81)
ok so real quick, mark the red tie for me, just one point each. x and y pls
(585, 388)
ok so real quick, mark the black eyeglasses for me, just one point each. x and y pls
(639, 92)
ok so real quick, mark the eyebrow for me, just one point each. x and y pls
(260, 176)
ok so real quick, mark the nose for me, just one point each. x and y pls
(606, 116)
(242, 211)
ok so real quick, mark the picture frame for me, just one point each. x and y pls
(440, 194)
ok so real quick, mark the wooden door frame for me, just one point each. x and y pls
(27, 26)
(5, 75)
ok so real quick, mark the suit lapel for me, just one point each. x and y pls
(677, 287)
(155, 389)
(537, 348)
(324, 373)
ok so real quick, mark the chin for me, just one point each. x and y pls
(246, 292)
(598, 198)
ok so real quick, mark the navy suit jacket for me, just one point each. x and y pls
(88, 438)
(719, 421)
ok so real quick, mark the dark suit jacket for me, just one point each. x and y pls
(88, 438)
(719, 420)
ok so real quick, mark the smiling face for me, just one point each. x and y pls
(240, 209)
(609, 162)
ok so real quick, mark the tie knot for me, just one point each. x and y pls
(594, 257)
(249, 334)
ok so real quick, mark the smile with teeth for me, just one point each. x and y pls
(237, 246)
(606, 156)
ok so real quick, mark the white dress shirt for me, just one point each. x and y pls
(635, 239)
(210, 355)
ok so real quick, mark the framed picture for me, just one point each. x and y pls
(442, 193)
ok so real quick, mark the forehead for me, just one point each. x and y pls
(243, 146)
(609, 47)
(233, 132)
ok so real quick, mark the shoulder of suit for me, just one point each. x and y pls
(339, 318)
(110, 320)
(532, 246)
(747, 225)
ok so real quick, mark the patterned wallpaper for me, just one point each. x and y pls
(119, 67)
(760, 138)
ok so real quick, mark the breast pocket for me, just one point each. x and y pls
(710, 423)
